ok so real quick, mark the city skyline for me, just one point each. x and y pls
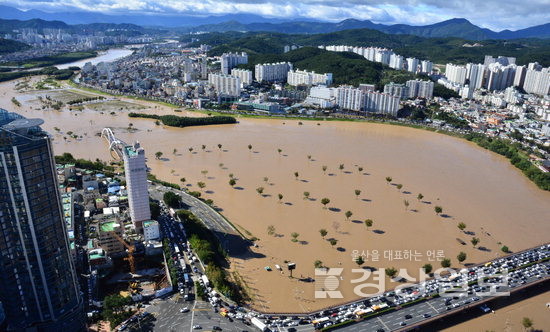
(493, 15)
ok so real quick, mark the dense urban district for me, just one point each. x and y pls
(102, 245)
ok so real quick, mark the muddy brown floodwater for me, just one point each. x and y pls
(483, 190)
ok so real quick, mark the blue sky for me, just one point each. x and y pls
(493, 14)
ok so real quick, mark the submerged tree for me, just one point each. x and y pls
(348, 214)
(368, 223)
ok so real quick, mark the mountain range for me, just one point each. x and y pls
(457, 27)
(160, 20)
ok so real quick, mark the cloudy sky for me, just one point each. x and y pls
(492, 14)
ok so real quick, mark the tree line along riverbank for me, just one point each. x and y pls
(183, 121)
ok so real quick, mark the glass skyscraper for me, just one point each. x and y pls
(38, 283)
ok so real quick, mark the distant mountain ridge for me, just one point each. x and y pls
(457, 27)
(161, 20)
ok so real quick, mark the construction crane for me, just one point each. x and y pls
(131, 250)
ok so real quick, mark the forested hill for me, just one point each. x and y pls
(438, 50)
(8, 46)
(347, 68)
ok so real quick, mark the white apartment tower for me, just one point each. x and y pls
(225, 84)
(426, 67)
(232, 60)
(422, 89)
(302, 77)
(412, 65)
(244, 75)
(500, 77)
(519, 77)
(272, 72)
(537, 81)
(136, 180)
(398, 90)
(381, 103)
(349, 98)
(455, 74)
(396, 61)
(475, 75)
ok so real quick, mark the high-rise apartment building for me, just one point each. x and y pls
(455, 74)
(537, 81)
(38, 287)
(302, 77)
(136, 180)
(244, 75)
(503, 60)
(422, 89)
(396, 61)
(519, 77)
(426, 67)
(272, 72)
(475, 74)
(232, 60)
(349, 98)
(398, 90)
(225, 84)
(412, 65)
(500, 77)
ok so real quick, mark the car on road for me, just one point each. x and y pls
(185, 309)
(216, 328)
(408, 316)
(402, 323)
(426, 315)
(197, 327)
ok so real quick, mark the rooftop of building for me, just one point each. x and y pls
(109, 226)
(149, 222)
(20, 126)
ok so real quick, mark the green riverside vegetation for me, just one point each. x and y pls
(59, 74)
(52, 60)
(517, 156)
(208, 249)
(183, 121)
(100, 166)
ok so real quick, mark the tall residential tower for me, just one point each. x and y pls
(136, 180)
(38, 284)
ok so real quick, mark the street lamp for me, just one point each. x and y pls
(291, 266)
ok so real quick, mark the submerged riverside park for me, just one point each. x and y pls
(473, 186)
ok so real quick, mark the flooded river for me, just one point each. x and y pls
(107, 56)
(496, 202)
